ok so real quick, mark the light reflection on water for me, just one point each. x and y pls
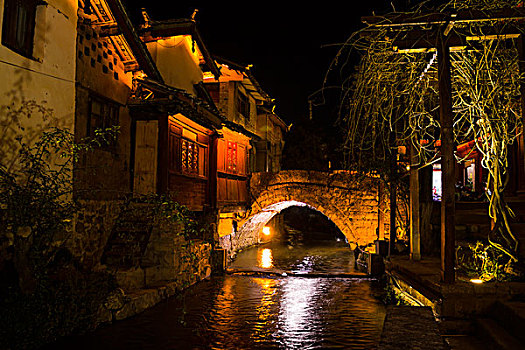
(297, 313)
(265, 258)
(326, 257)
(246, 312)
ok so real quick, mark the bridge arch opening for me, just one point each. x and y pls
(254, 226)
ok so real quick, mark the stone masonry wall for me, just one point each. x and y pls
(170, 262)
(169, 257)
(91, 228)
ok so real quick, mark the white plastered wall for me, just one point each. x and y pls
(39, 92)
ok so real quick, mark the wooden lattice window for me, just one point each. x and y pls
(190, 157)
(18, 27)
(231, 157)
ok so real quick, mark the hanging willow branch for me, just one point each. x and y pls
(393, 93)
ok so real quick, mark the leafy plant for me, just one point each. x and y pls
(46, 292)
(483, 261)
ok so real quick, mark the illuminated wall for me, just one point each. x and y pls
(102, 173)
(177, 59)
(43, 85)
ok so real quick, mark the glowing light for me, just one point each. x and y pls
(208, 75)
(476, 281)
(266, 230)
(265, 258)
(408, 167)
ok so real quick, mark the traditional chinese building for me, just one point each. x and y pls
(251, 140)
(147, 82)
(185, 124)
(271, 129)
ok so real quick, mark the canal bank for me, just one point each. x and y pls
(488, 315)
(260, 309)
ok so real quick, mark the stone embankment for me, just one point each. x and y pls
(149, 257)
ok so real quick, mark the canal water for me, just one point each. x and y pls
(260, 311)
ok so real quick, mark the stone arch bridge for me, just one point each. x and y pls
(351, 202)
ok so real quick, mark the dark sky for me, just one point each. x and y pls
(282, 39)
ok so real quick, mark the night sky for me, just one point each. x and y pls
(283, 40)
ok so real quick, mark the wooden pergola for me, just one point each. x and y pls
(433, 32)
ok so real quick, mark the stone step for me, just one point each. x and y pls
(135, 218)
(511, 316)
(126, 248)
(132, 227)
(466, 342)
(129, 238)
(407, 327)
(495, 336)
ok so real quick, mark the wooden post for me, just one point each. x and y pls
(415, 245)
(393, 197)
(429, 243)
(212, 175)
(380, 210)
(520, 172)
(448, 239)
(162, 155)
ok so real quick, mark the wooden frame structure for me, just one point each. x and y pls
(432, 31)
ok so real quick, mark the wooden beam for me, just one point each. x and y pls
(139, 50)
(448, 239)
(486, 32)
(439, 18)
(425, 40)
(400, 19)
(108, 30)
(420, 40)
(131, 66)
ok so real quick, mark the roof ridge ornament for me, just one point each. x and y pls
(146, 18)
(194, 14)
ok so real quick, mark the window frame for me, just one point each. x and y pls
(214, 90)
(231, 157)
(11, 26)
(190, 163)
(180, 135)
(108, 121)
(243, 104)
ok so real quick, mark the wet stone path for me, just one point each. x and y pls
(260, 312)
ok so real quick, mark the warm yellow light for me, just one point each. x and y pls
(266, 230)
(265, 258)
(476, 280)
(408, 167)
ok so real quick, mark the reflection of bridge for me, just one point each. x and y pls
(351, 203)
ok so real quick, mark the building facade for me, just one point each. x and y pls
(252, 140)
(37, 66)
(167, 117)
